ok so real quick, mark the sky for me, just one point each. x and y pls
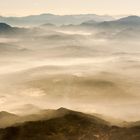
(63, 7)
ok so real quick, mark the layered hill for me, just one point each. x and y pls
(69, 125)
(53, 19)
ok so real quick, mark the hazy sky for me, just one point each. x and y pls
(27, 7)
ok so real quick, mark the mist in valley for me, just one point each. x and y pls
(89, 69)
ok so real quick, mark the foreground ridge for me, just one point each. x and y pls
(70, 125)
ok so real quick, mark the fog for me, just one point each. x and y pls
(84, 69)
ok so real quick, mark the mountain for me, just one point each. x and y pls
(135, 20)
(4, 114)
(36, 116)
(4, 26)
(126, 22)
(133, 124)
(70, 125)
(7, 119)
(6, 29)
(124, 28)
(53, 19)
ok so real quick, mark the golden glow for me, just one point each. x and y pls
(28, 7)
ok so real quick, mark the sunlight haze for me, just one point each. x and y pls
(62, 7)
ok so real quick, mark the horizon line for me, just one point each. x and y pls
(35, 14)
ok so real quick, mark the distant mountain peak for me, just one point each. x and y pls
(6, 114)
(3, 112)
(4, 26)
(130, 18)
(62, 109)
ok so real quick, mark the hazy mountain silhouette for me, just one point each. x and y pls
(4, 26)
(70, 125)
(53, 19)
(7, 119)
(130, 21)
(124, 28)
(40, 115)
(6, 29)
(4, 114)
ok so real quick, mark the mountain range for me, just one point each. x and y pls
(85, 20)
(130, 21)
(53, 19)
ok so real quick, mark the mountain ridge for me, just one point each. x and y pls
(130, 21)
(53, 19)
(70, 126)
